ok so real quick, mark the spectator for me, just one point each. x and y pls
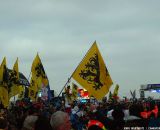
(60, 121)
(153, 121)
(29, 122)
(42, 123)
(118, 119)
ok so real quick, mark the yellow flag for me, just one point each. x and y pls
(74, 91)
(2, 67)
(14, 80)
(40, 78)
(21, 92)
(33, 90)
(115, 92)
(92, 73)
(4, 83)
(38, 72)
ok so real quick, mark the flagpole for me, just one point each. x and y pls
(64, 86)
(75, 69)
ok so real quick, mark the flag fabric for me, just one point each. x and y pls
(33, 90)
(38, 72)
(115, 92)
(3, 69)
(40, 77)
(22, 79)
(92, 73)
(74, 91)
(21, 92)
(14, 80)
(4, 76)
(13, 91)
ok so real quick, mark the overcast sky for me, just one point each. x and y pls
(62, 31)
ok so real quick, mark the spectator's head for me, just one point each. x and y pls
(93, 108)
(42, 123)
(118, 114)
(60, 121)
(29, 122)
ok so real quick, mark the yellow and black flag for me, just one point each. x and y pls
(115, 92)
(14, 80)
(33, 90)
(4, 77)
(21, 92)
(40, 78)
(92, 73)
(38, 72)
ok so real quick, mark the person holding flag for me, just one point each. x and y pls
(74, 92)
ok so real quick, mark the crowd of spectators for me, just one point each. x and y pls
(102, 115)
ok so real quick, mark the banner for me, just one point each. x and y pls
(4, 77)
(40, 77)
(13, 88)
(92, 74)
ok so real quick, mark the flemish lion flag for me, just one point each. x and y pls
(40, 78)
(21, 92)
(115, 92)
(14, 80)
(92, 73)
(38, 72)
(4, 83)
(33, 90)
